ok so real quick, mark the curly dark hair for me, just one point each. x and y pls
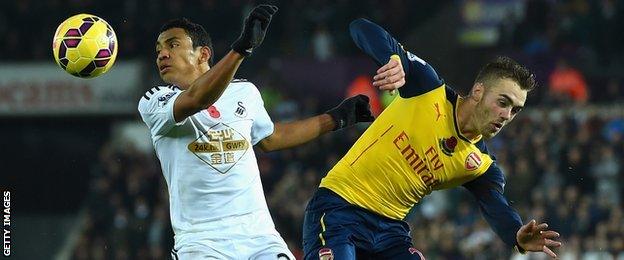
(198, 34)
(506, 68)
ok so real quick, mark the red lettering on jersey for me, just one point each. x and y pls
(408, 153)
(401, 137)
(435, 160)
(416, 162)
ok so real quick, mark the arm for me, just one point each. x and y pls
(208, 87)
(287, 135)
(488, 190)
(377, 43)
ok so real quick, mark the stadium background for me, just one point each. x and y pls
(85, 183)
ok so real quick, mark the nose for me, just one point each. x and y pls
(506, 114)
(163, 54)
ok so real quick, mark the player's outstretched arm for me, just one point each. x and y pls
(208, 87)
(488, 190)
(504, 220)
(537, 238)
(286, 135)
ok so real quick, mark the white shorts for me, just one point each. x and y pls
(251, 236)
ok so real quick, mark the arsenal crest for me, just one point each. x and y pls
(448, 145)
(326, 254)
(473, 161)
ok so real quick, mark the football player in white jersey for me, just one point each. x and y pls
(203, 126)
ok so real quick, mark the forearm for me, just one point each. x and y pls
(503, 219)
(488, 189)
(290, 134)
(209, 86)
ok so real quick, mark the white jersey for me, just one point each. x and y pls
(208, 159)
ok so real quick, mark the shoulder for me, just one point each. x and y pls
(158, 94)
(156, 90)
(243, 87)
(241, 84)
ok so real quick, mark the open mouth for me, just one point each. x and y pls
(164, 68)
(497, 126)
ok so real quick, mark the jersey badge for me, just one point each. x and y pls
(473, 161)
(221, 147)
(326, 254)
(162, 100)
(240, 111)
(448, 145)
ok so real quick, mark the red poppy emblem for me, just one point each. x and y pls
(451, 143)
(448, 145)
(213, 112)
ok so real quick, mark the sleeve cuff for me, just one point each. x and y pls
(520, 249)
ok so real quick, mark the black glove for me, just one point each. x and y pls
(254, 29)
(351, 111)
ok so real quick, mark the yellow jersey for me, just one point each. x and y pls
(411, 149)
(415, 146)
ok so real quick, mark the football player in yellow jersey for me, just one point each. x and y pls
(428, 139)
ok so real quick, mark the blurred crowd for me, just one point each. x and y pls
(563, 159)
(574, 46)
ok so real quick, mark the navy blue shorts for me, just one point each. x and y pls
(335, 229)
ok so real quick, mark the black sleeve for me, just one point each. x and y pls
(420, 77)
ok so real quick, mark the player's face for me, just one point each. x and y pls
(499, 104)
(176, 58)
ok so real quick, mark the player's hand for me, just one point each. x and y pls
(390, 76)
(254, 29)
(535, 237)
(351, 111)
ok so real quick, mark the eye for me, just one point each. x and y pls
(502, 102)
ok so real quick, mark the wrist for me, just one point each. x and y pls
(337, 118)
(241, 50)
(327, 123)
(520, 249)
(237, 55)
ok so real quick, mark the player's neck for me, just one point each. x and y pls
(202, 70)
(466, 108)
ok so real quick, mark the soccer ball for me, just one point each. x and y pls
(85, 46)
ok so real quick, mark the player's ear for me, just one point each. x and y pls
(205, 54)
(476, 93)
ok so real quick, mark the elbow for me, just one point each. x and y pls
(266, 145)
(266, 148)
(358, 29)
(358, 23)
